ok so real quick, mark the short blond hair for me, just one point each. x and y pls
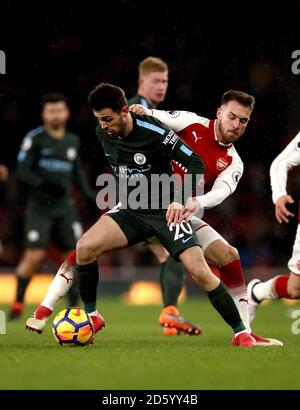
(151, 64)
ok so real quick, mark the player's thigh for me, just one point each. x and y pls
(37, 228)
(175, 238)
(133, 224)
(105, 235)
(206, 235)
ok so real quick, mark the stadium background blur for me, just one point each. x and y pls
(71, 48)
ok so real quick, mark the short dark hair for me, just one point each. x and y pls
(239, 96)
(106, 95)
(54, 97)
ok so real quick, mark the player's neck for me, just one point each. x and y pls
(129, 126)
(151, 103)
(217, 130)
(218, 134)
(56, 133)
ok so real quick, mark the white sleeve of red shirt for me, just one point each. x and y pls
(225, 183)
(287, 159)
(177, 120)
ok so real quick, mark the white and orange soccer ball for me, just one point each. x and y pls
(73, 327)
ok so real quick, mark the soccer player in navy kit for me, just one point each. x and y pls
(48, 163)
(143, 146)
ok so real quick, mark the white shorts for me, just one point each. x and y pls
(205, 233)
(294, 262)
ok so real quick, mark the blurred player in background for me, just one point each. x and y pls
(152, 89)
(3, 177)
(48, 162)
(281, 286)
(152, 83)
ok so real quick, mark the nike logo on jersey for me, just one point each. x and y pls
(243, 300)
(106, 154)
(186, 239)
(195, 136)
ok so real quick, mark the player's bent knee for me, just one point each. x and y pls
(162, 258)
(86, 251)
(231, 254)
(199, 272)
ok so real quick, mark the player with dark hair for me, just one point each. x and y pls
(142, 147)
(213, 140)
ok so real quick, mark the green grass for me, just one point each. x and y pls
(132, 353)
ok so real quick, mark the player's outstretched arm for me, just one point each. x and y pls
(286, 160)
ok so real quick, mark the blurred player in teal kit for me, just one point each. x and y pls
(3, 177)
(152, 89)
(152, 83)
(48, 162)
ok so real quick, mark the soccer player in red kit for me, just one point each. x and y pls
(281, 286)
(213, 141)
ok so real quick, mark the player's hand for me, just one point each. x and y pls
(138, 109)
(174, 213)
(3, 172)
(282, 214)
(192, 206)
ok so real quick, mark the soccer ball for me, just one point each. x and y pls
(72, 327)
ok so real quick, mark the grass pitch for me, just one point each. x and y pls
(132, 353)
